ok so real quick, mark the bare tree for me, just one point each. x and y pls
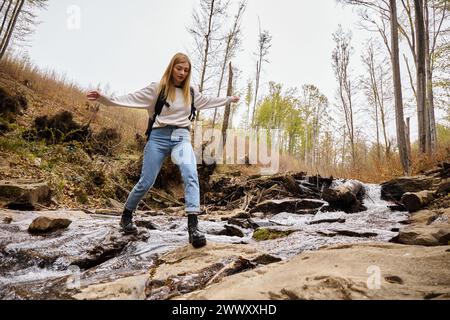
(233, 42)
(11, 25)
(264, 44)
(341, 66)
(422, 29)
(433, 27)
(205, 32)
(378, 92)
(401, 135)
(17, 22)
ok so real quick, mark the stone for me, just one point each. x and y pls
(287, 205)
(444, 187)
(315, 278)
(395, 188)
(332, 220)
(426, 235)
(232, 231)
(45, 224)
(7, 220)
(24, 194)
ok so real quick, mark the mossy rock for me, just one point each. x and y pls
(263, 234)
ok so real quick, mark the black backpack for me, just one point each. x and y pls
(160, 103)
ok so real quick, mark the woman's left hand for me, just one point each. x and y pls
(235, 99)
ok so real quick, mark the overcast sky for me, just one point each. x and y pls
(128, 44)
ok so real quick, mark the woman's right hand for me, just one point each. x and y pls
(93, 95)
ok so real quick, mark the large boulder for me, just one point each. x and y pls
(23, 194)
(343, 272)
(45, 224)
(426, 235)
(180, 271)
(395, 188)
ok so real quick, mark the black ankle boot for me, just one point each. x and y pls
(196, 238)
(127, 222)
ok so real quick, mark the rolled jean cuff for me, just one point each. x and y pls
(192, 210)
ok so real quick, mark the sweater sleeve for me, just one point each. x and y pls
(206, 102)
(141, 99)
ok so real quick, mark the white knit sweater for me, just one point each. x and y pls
(176, 115)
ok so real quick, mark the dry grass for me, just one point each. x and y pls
(49, 93)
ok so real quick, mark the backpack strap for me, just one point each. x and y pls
(193, 109)
(160, 103)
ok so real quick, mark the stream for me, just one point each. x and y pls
(93, 247)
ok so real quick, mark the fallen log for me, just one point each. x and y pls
(414, 201)
(343, 195)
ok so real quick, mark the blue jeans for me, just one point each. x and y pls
(176, 142)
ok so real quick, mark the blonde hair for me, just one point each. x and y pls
(167, 83)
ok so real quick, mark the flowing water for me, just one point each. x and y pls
(94, 249)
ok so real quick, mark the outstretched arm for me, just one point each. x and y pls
(141, 99)
(202, 101)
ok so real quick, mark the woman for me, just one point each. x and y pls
(169, 134)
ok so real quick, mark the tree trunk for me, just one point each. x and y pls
(383, 120)
(408, 136)
(415, 201)
(226, 116)
(422, 113)
(398, 89)
(429, 83)
(11, 26)
(5, 18)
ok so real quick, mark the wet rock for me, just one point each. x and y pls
(186, 269)
(198, 279)
(23, 194)
(256, 223)
(345, 279)
(394, 189)
(287, 205)
(232, 231)
(326, 233)
(431, 235)
(266, 259)
(264, 234)
(397, 207)
(146, 223)
(351, 233)
(7, 220)
(45, 224)
(243, 223)
(331, 220)
(112, 212)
